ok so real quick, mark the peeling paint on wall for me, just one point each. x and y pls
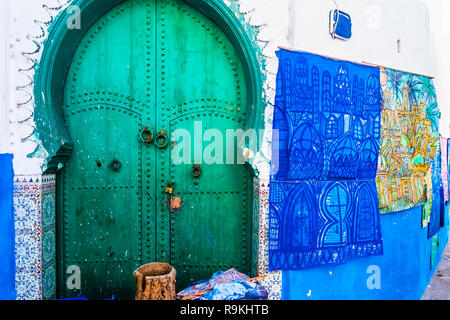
(28, 149)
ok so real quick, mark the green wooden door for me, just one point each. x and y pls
(159, 65)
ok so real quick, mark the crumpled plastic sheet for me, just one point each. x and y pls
(236, 290)
(228, 285)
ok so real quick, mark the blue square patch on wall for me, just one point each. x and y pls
(340, 25)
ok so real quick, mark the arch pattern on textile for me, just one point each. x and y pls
(319, 223)
(323, 199)
(339, 103)
(305, 155)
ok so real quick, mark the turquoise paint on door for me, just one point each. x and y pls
(151, 66)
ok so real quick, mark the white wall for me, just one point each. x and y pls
(20, 27)
(4, 79)
(423, 28)
(440, 26)
(377, 25)
(301, 24)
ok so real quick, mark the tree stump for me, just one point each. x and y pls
(155, 281)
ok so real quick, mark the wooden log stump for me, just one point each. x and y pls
(155, 281)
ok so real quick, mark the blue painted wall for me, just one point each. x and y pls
(7, 261)
(404, 268)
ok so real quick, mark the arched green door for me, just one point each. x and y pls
(151, 65)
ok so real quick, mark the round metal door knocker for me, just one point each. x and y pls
(147, 135)
(115, 165)
(161, 140)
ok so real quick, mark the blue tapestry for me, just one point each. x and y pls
(448, 162)
(323, 197)
(7, 258)
(442, 208)
(437, 200)
(327, 114)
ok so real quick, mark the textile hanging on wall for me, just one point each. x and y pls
(327, 114)
(7, 258)
(426, 209)
(409, 139)
(434, 250)
(323, 199)
(442, 208)
(448, 161)
(435, 215)
(444, 166)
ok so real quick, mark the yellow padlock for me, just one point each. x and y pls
(169, 190)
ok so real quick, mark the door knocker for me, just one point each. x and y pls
(147, 135)
(161, 140)
(115, 165)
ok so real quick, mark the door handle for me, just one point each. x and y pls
(161, 140)
(146, 135)
(115, 165)
(196, 171)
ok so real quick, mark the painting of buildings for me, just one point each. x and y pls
(409, 139)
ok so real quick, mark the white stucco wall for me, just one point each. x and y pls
(377, 25)
(4, 79)
(440, 27)
(301, 24)
(422, 26)
(19, 31)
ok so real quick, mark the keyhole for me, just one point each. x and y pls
(99, 164)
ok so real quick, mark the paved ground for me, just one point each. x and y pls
(439, 287)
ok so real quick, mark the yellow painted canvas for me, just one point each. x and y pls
(409, 139)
